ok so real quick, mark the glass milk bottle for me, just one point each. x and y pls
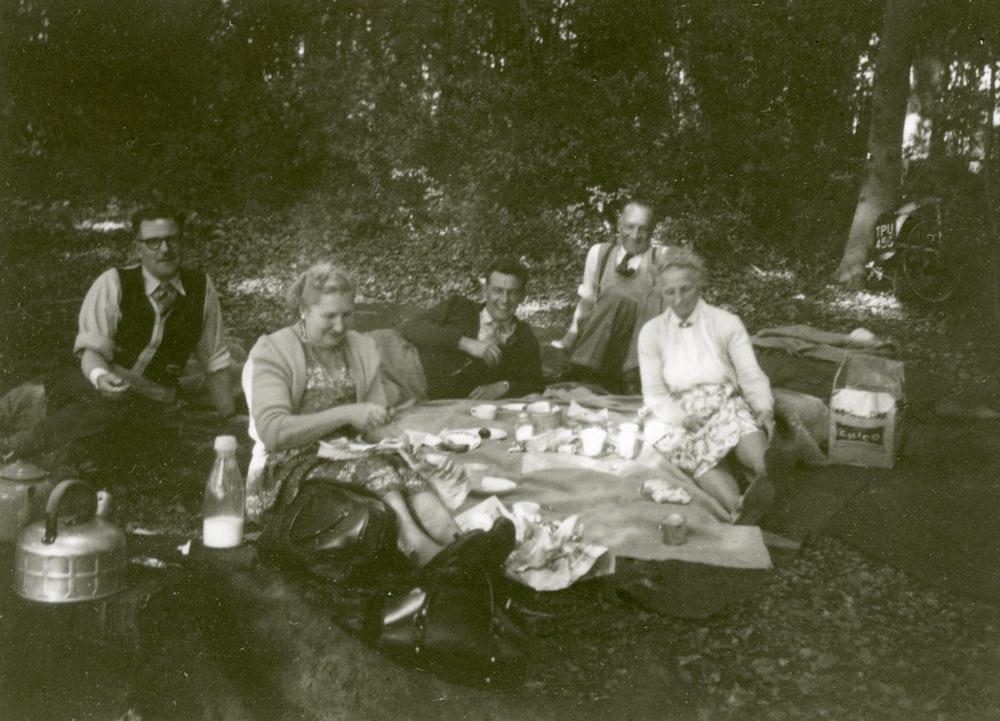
(222, 513)
(524, 429)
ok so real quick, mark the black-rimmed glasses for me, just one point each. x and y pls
(157, 243)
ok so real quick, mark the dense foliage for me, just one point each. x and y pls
(514, 124)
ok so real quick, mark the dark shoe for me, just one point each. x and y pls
(465, 553)
(577, 374)
(756, 502)
(500, 542)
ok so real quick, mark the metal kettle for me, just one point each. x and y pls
(24, 488)
(73, 562)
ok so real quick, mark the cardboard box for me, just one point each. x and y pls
(866, 412)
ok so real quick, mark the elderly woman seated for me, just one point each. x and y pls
(317, 379)
(700, 377)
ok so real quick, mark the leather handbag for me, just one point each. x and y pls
(452, 627)
(332, 532)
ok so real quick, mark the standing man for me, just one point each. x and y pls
(479, 350)
(139, 325)
(617, 283)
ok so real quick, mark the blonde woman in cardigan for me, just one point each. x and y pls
(317, 379)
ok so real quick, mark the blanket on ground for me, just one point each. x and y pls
(806, 341)
(604, 492)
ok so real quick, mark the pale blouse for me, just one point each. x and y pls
(712, 346)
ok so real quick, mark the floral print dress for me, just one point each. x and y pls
(285, 470)
(727, 419)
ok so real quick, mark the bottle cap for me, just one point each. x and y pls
(225, 443)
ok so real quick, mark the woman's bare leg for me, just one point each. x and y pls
(720, 484)
(750, 453)
(759, 496)
(434, 517)
(413, 542)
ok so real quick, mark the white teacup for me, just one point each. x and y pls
(485, 411)
(592, 441)
(628, 440)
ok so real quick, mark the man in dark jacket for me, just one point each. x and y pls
(479, 350)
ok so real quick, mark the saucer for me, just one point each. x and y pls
(494, 486)
(494, 434)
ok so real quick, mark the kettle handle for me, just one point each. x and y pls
(52, 507)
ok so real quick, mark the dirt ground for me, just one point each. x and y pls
(837, 630)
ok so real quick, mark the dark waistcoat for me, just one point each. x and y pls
(181, 331)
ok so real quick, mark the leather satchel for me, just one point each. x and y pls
(332, 532)
(451, 626)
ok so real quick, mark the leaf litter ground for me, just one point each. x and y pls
(831, 634)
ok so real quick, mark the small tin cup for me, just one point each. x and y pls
(674, 529)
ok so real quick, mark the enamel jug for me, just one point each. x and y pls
(24, 488)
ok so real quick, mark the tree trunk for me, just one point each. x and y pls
(930, 78)
(881, 181)
(993, 286)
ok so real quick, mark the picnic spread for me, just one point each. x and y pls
(604, 491)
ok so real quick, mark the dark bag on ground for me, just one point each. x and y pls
(332, 532)
(453, 627)
(450, 625)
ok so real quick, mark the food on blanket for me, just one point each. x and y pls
(540, 407)
(662, 492)
(480, 434)
(460, 441)
(576, 412)
(419, 438)
(494, 486)
(454, 447)
(513, 407)
(549, 440)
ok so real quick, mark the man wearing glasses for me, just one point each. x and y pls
(617, 282)
(138, 326)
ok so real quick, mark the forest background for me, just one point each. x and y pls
(413, 139)
(410, 136)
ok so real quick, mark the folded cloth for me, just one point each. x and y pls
(804, 340)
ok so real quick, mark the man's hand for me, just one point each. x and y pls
(489, 392)
(489, 352)
(113, 386)
(368, 415)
